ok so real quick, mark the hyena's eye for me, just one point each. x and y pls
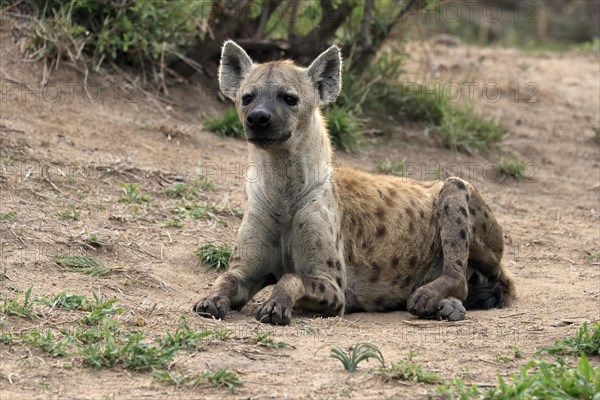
(290, 100)
(246, 99)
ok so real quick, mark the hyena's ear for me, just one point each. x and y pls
(235, 65)
(326, 72)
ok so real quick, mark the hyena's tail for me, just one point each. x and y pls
(495, 292)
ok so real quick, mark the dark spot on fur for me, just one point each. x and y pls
(380, 213)
(380, 302)
(459, 184)
(381, 231)
(330, 263)
(412, 261)
(321, 288)
(335, 300)
(413, 203)
(484, 227)
(338, 309)
(463, 234)
(409, 212)
(411, 226)
(324, 302)
(472, 211)
(463, 211)
(474, 230)
(392, 192)
(300, 225)
(359, 232)
(459, 221)
(331, 230)
(467, 197)
(319, 244)
(422, 214)
(338, 280)
(446, 208)
(486, 215)
(395, 261)
(364, 244)
(338, 265)
(459, 263)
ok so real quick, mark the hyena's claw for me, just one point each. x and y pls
(215, 306)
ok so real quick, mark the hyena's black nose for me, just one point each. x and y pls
(258, 119)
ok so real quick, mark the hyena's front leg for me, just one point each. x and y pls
(255, 258)
(443, 296)
(319, 278)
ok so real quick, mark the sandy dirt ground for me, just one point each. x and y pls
(62, 157)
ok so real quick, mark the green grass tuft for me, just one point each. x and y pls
(266, 339)
(132, 194)
(513, 168)
(359, 353)
(583, 341)
(68, 301)
(19, 309)
(7, 216)
(214, 257)
(84, 264)
(407, 370)
(344, 128)
(227, 125)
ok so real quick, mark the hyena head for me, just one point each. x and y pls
(278, 101)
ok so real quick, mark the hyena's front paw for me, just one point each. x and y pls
(213, 306)
(424, 302)
(451, 309)
(275, 311)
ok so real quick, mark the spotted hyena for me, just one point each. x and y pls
(337, 240)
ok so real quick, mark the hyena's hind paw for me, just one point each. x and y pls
(451, 309)
(212, 306)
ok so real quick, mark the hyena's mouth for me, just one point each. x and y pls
(269, 141)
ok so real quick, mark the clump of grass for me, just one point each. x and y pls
(180, 189)
(541, 380)
(344, 128)
(101, 311)
(84, 264)
(457, 389)
(48, 343)
(16, 308)
(185, 338)
(227, 125)
(67, 300)
(386, 166)
(132, 193)
(134, 352)
(266, 339)
(214, 257)
(407, 370)
(6, 338)
(95, 241)
(583, 341)
(222, 378)
(360, 352)
(7, 216)
(190, 210)
(513, 168)
(463, 130)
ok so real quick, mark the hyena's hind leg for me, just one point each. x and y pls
(443, 296)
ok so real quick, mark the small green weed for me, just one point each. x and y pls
(407, 370)
(132, 195)
(17, 308)
(133, 352)
(228, 125)
(95, 241)
(386, 166)
(84, 264)
(190, 210)
(457, 390)
(67, 301)
(179, 190)
(71, 214)
(174, 223)
(222, 378)
(360, 352)
(101, 311)
(266, 339)
(7, 216)
(46, 342)
(6, 338)
(214, 256)
(344, 128)
(583, 341)
(513, 168)
(185, 338)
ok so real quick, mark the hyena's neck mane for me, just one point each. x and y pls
(297, 169)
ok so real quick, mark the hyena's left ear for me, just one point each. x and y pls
(235, 65)
(326, 72)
